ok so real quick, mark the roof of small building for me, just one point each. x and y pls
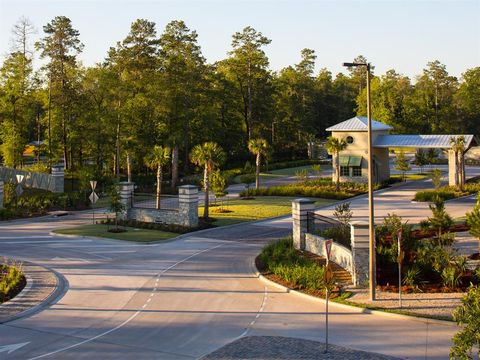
(358, 123)
(419, 141)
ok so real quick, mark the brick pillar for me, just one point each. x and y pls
(300, 209)
(360, 250)
(58, 178)
(1, 194)
(452, 168)
(188, 205)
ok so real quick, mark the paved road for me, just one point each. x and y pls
(182, 299)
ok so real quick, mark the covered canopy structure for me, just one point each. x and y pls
(353, 165)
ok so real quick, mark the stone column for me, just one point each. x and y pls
(360, 250)
(1, 194)
(58, 178)
(188, 205)
(452, 168)
(126, 196)
(300, 210)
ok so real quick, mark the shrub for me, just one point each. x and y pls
(468, 317)
(11, 278)
(411, 276)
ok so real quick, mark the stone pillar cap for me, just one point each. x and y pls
(126, 183)
(188, 187)
(303, 201)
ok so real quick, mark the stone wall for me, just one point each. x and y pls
(355, 261)
(186, 215)
(339, 254)
(53, 182)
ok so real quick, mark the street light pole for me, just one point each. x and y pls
(372, 270)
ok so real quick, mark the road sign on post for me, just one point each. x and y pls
(19, 178)
(400, 259)
(93, 198)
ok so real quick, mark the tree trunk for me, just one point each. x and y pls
(129, 167)
(174, 166)
(206, 187)
(49, 122)
(257, 172)
(159, 184)
(249, 89)
(117, 145)
(337, 172)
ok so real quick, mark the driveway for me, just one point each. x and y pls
(184, 299)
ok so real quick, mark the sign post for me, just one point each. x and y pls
(93, 198)
(18, 189)
(328, 278)
(400, 259)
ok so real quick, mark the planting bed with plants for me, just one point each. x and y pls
(36, 202)
(12, 281)
(280, 262)
(321, 188)
(430, 261)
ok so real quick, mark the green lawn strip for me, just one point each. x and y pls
(412, 177)
(276, 174)
(261, 207)
(343, 299)
(132, 234)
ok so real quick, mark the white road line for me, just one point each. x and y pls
(126, 321)
(265, 295)
(40, 241)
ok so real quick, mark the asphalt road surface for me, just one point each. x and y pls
(182, 299)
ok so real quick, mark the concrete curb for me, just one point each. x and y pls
(57, 292)
(352, 308)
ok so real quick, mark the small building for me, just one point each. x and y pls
(353, 160)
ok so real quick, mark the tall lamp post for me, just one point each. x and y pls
(371, 224)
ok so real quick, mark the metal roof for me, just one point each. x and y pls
(418, 141)
(358, 123)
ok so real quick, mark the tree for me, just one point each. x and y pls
(436, 178)
(440, 218)
(467, 100)
(473, 221)
(209, 155)
(458, 147)
(248, 68)
(61, 45)
(157, 159)
(334, 146)
(258, 147)
(402, 164)
(420, 159)
(135, 62)
(467, 340)
(116, 205)
(218, 183)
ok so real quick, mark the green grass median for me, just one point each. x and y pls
(261, 207)
(132, 234)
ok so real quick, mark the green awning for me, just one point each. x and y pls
(350, 161)
(343, 161)
(355, 161)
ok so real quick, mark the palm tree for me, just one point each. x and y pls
(157, 159)
(209, 155)
(334, 146)
(458, 146)
(258, 147)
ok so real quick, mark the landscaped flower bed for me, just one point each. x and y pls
(12, 281)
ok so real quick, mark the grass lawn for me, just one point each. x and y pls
(412, 177)
(132, 234)
(261, 207)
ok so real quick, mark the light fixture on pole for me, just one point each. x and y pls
(371, 224)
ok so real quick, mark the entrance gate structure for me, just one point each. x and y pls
(353, 165)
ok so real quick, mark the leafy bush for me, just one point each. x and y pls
(321, 188)
(11, 278)
(467, 340)
(247, 178)
(447, 192)
(281, 259)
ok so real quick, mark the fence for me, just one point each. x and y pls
(149, 201)
(317, 223)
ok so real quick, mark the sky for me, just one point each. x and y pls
(401, 35)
